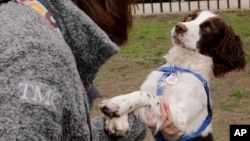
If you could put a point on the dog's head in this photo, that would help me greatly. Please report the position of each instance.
(208, 34)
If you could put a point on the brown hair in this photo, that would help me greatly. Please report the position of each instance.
(113, 16)
(223, 45)
(229, 55)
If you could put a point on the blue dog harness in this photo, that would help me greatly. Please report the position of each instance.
(168, 76)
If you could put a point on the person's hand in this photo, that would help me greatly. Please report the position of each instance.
(166, 119)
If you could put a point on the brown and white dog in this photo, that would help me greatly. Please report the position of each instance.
(204, 45)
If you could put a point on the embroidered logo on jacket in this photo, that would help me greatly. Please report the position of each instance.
(39, 94)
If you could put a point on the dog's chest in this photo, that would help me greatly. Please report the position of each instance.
(151, 84)
(175, 87)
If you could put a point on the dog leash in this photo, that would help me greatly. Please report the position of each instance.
(170, 78)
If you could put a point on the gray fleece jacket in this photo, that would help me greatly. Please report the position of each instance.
(41, 94)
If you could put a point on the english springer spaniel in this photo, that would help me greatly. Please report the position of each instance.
(204, 46)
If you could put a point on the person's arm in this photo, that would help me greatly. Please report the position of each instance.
(40, 95)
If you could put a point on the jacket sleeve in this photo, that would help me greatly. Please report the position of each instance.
(41, 97)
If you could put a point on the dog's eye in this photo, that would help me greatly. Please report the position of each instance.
(207, 29)
(189, 17)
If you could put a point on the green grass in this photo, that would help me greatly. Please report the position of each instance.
(150, 37)
(239, 94)
(234, 101)
(149, 40)
(227, 106)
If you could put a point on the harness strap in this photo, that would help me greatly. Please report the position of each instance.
(173, 69)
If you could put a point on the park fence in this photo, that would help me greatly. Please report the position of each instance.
(164, 6)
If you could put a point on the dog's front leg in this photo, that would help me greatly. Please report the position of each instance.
(141, 103)
(123, 104)
(117, 110)
(117, 126)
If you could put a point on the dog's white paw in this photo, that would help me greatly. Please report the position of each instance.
(109, 108)
(123, 104)
(117, 106)
(118, 126)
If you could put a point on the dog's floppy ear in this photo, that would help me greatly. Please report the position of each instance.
(229, 54)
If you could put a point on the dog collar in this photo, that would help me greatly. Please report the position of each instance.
(42, 10)
(167, 72)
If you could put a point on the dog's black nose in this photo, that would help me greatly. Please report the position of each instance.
(180, 28)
